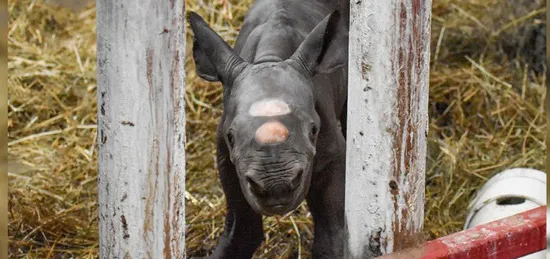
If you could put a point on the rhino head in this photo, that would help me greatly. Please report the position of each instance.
(270, 124)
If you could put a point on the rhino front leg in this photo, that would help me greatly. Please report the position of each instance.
(326, 203)
(243, 230)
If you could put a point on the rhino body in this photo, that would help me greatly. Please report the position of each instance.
(281, 138)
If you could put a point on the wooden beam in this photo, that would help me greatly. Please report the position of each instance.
(387, 125)
(511, 237)
(141, 128)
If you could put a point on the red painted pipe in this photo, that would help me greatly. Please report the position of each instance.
(511, 237)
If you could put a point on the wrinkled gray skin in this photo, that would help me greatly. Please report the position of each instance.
(294, 50)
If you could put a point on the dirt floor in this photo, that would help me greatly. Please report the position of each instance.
(487, 90)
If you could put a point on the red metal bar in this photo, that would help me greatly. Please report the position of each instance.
(511, 237)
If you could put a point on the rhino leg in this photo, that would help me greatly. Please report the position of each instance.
(326, 203)
(243, 230)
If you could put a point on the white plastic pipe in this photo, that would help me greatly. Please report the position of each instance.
(508, 193)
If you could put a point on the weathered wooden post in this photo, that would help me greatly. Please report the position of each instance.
(141, 128)
(387, 125)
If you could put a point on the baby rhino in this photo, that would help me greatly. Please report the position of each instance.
(279, 138)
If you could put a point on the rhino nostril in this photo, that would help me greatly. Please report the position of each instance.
(297, 179)
(255, 187)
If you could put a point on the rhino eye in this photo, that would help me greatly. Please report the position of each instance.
(313, 132)
(230, 139)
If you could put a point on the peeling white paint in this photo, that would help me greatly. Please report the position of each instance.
(141, 128)
(374, 100)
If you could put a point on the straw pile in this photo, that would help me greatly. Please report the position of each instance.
(486, 115)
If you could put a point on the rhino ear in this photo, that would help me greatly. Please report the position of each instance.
(325, 48)
(204, 68)
(214, 58)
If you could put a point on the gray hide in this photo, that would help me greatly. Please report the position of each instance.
(280, 138)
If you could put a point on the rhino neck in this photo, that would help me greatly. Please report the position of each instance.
(275, 40)
(277, 44)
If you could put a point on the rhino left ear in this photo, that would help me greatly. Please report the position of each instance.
(214, 58)
(325, 49)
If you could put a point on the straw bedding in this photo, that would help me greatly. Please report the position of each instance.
(486, 114)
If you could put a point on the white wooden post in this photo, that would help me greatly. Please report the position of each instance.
(387, 125)
(141, 128)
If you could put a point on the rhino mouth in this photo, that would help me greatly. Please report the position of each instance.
(284, 202)
(275, 209)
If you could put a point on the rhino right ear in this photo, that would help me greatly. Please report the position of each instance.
(204, 68)
(214, 58)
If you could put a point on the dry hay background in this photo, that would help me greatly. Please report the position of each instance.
(486, 115)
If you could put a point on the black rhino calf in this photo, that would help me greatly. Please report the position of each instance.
(281, 137)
